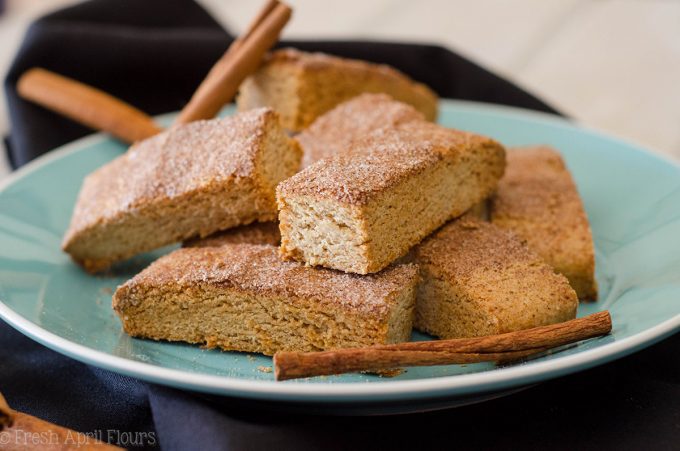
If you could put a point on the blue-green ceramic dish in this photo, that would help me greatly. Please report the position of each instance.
(632, 198)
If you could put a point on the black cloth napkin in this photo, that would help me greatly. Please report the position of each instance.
(153, 54)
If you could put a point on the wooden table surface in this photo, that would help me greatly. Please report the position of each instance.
(611, 64)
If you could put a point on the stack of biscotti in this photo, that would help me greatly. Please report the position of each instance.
(301, 86)
(191, 180)
(245, 297)
(492, 296)
(331, 134)
(229, 289)
(382, 230)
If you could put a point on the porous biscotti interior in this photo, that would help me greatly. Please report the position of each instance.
(212, 205)
(207, 304)
(322, 232)
(477, 280)
(539, 201)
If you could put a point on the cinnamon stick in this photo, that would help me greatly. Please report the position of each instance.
(504, 347)
(218, 67)
(6, 414)
(20, 431)
(241, 59)
(86, 105)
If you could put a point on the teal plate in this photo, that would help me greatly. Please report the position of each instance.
(632, 198)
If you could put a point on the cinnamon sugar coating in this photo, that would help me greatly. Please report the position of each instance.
(334, 132)
(479, 279)
(372, 164)
(259, 269)
(538, 200)
(356, 181)
(465, 246)
(174, 162)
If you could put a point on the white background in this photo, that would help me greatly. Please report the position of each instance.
(611, 64)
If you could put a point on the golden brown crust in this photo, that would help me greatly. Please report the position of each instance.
(538, 199)
(334, 132)
(257, 233)
(258, 269)
(479, 279)
(302, 86)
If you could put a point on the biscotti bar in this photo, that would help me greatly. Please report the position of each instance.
(191, 180)
(538, 200)
(243, 297)
(302, 86)
(333, 133)
(257, 233)
(478, 279)
(359, 211)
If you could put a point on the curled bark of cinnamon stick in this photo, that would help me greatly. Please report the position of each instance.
(86, 105)
(504, 347)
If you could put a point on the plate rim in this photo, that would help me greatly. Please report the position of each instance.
(462, 384)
